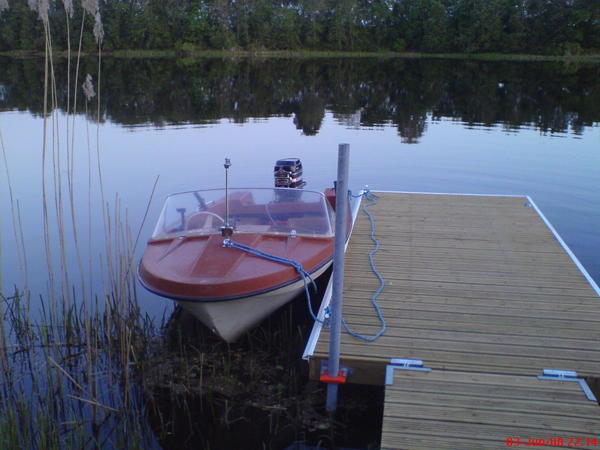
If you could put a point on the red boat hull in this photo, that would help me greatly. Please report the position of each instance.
(199, 268)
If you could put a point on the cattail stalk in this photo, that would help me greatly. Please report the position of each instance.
(47, 241)
(70, 143)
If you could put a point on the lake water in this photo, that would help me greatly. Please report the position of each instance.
(412, 125)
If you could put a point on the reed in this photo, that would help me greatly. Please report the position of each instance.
(59, 383)
(70, 372)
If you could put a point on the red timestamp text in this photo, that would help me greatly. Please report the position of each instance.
(567, 441)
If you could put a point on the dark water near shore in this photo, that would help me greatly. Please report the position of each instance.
(413, 125)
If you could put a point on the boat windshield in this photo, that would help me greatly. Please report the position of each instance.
(264, 211)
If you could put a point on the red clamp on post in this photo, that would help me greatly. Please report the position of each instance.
(340, 379)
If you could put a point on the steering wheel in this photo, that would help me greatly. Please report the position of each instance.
(211, 214)
(208, 213)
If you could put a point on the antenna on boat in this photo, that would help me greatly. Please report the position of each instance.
(226, 229)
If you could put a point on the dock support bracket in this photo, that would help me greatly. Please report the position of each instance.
(341, 377)
(403, 364)
(568, 375)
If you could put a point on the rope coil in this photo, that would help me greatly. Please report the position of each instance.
(368, 195)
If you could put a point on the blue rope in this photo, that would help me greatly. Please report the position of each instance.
(296, 265)
(368, 195)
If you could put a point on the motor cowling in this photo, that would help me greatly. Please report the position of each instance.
(288, 173)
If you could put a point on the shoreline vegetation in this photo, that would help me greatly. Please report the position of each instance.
(531, 27)
(112, 378)
(240, 53)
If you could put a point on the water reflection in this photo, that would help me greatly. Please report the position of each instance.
(552, 97)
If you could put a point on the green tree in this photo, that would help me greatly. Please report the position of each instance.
(512, 18)
(425, 25)
(477, 25)
(342, 28)
(378, 22)
(312, 13)
(20, 28)
(286, 27)
(261, 22)
(219, 18)
(240, 11)
(588, 23)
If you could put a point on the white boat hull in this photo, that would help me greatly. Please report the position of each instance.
(229, 319)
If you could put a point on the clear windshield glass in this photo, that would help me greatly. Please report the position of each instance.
(265, 211)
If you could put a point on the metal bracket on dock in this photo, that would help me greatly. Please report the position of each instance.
(403, 364)
(568, 375)
(341, 377)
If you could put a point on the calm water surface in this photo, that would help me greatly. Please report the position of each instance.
(412, 125)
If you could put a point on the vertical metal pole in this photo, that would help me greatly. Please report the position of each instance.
(341, 213)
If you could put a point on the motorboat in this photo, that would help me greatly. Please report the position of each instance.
(198, 253)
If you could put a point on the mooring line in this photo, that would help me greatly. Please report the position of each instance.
(229, 243)
(367, 194)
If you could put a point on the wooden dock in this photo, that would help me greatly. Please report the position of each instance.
(486, 294)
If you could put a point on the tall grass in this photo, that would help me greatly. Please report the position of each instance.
(70, 377)
(70, 360)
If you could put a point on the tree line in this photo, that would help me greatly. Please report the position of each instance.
(552, 97)
(462, 26)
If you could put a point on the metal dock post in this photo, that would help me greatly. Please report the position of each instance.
(341, 212)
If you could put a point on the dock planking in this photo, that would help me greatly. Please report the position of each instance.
(476, 286)
(444, 409)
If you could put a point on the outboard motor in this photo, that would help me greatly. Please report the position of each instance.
(288, 173)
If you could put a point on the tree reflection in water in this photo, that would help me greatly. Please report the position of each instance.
(553, 97)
